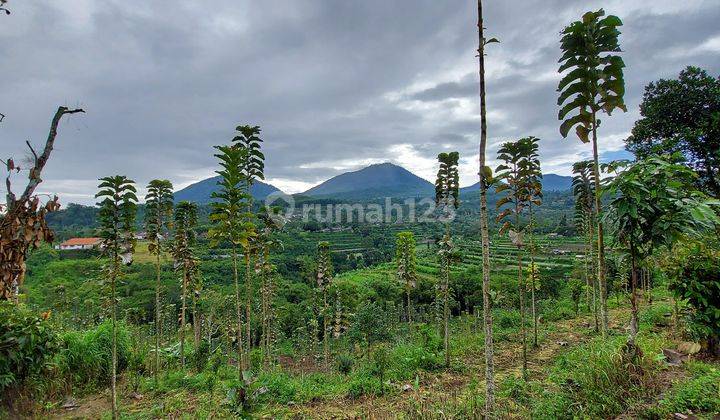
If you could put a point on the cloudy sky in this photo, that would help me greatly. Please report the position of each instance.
(334, 84)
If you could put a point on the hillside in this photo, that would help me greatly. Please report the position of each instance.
(200, 192)
(380, 180)
(550, 182)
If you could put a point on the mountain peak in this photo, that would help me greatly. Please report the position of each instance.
(200, 192)
(376, 180)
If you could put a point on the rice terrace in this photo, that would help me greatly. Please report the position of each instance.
(315, 209)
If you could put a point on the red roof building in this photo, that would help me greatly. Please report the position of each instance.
(80, 243)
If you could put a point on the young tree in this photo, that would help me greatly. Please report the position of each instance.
(583, 185)
(263, 243)
(447, 187)
(22, 220)
(595, 84)
(185, 261)
(682, 115)
(653, 205)
(514, 180)
(324, 277)
(252, 168)
(406, 263)
(534, 197)
(116, 220)
(485, 175)
(158, 218)
(230, 223)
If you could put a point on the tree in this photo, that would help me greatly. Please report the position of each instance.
(514, 179)
(252, 167)
(406, 267)
(682, 115)
(116, 220)
(533, 176)
(485, 180)
(583, 185)
(264, 242)
(324, 279)
(230, 223)
(159, 205)
(22, 220)
(594, 84)
(447, 187)
(653, 205)
(185, 261)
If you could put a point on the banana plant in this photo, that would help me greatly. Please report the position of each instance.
(116, 220)
(158, 218)
(594, 84)
(232, 224)
(185, 260)
(447, 188)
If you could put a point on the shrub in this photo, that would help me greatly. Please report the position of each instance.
(27, 343)
(698, 394)
(200, 355)
(364, 384)
(344, 364)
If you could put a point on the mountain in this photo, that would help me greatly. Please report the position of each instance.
(374, 181)
(200, 191)
(550, 182)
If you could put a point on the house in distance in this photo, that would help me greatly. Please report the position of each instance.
(79, 243)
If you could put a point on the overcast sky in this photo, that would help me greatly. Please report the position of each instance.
(334, 84)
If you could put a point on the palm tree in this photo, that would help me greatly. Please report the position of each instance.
(595, 84)
(185, 260)
(116, 218)
(159, 205)
(324, 279)
(252, 168)
(514, 181)
(406, 267)
(230, 222)
(446, 198)
(584, 191)
(485, 175)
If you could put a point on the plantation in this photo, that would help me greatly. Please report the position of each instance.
(377, 293)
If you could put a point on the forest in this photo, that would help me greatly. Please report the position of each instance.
(507, 299)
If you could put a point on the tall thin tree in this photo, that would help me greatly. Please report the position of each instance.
(230, 224)
(534, 176)
(594, 84)
(158, 218)
(406, 267)
(513, 181)
(324, 277)
(583, 185)
(185, 260)
(252, 168)
(447, 187)
(116, 220)
(485, 180)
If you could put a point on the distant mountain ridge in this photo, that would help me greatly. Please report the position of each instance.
(379, 180)
(200, 192)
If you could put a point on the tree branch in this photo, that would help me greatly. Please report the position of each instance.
(40, 161)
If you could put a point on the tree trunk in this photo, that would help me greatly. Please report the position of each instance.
(157, 315)
(600, 239)
(523, 333)
(446, 313)
(248, 304)
(326, 344)
(484, 231)
(182, 317)
(113, 384)
(633, 298)
(238, 309)
(532, 286)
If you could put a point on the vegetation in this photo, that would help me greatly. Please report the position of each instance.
(403, 310)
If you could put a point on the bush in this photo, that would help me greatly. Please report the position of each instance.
(506, 318)
(344, 364)
(364, 384)
(27, 343)
(200, 356)
(697, 395)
